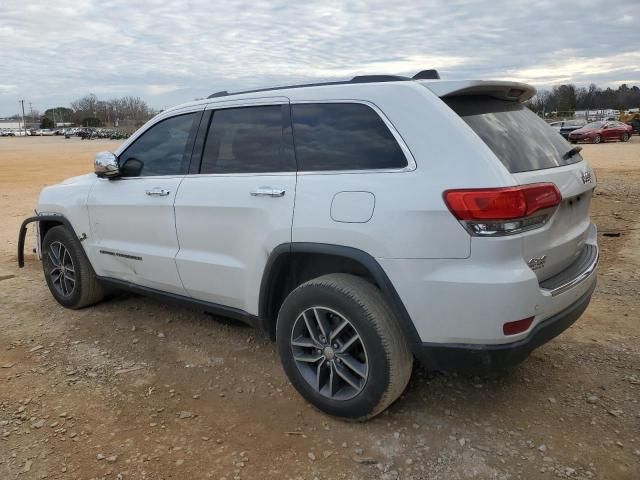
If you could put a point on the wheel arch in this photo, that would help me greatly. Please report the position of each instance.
(45, 223)
(291, 264)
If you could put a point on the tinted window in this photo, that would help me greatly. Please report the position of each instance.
(519, 138)
(343, 136)
(246, 140)
(161, 150)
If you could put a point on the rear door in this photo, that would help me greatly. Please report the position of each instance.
(620, 128)
(534, 153)
(239, 206)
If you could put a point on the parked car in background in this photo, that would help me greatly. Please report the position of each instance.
(565, 127)
(45, 132)
(602, 131)
(19, 132)
(557, 125)
(635, 125)
(570, 126)
(87, 133)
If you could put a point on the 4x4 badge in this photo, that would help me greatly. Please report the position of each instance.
(537, 263)
(586, 176)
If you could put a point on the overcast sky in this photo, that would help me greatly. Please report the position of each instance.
(55, 51)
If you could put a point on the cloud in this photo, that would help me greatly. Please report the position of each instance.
(159, 89)
(171, 52)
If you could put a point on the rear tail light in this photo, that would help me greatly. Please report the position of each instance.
(503, 211)
(519, 326)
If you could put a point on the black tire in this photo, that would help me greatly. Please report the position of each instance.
(573, 141)
(388, 357)
(625, 137)
(84, 290)
(597, 139)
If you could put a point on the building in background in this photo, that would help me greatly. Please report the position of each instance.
(10, 123)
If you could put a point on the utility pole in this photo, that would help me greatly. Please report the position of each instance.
(24, 125)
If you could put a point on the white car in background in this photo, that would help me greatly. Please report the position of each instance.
(45, 132)
(19, 132)
(360, 224)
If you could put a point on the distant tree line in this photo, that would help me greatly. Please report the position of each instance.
(569, 98)
(89, 111)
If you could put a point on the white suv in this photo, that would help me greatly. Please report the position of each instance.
(360, 224)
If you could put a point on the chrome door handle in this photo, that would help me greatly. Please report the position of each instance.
(267, 192)
(158, 192)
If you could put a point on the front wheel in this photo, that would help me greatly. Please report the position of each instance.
(67, 270)
(597, 139)
(342, 347)
(625, 137)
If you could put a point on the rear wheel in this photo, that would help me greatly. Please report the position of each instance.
(597, 139)
(342, 347)
(67, 270)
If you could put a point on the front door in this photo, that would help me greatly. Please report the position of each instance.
(231, 215)
(132, 217)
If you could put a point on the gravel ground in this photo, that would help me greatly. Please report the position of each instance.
(137, 389)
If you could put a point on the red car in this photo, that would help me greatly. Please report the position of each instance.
(596, 132)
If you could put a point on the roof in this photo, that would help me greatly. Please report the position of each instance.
(506, 90)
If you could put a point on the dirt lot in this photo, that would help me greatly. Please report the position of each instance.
(134, 388)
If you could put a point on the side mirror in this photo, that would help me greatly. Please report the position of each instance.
(106, 165)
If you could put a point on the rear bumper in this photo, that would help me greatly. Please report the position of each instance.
(438, 356)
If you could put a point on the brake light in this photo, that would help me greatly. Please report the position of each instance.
(519, 326)
(503, 211)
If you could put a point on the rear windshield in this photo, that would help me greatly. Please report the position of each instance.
(520, 139)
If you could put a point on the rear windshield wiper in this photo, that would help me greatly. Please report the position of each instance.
(572, 152)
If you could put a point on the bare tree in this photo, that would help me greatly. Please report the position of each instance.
(126, 111)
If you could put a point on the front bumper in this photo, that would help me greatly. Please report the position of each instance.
(473, 357)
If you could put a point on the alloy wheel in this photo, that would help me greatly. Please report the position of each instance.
(63, 274)
(329, 353)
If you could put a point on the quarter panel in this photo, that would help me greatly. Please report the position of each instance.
(410, 219)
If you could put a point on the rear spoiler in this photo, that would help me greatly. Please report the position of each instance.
(514, 91)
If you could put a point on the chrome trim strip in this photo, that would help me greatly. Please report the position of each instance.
(576, 280)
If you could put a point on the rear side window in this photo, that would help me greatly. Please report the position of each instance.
(246, 140)
(343, 136)
(519, 138)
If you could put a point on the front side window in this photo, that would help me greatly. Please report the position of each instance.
(161, 150)
(246, 140)
(343, 136)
